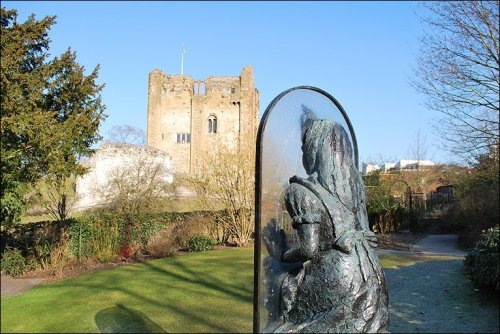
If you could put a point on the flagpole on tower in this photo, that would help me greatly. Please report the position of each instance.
(182, 59)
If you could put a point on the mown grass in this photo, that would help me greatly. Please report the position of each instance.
(40, 217)
(199, 292)
(168, 205)
(394, 261)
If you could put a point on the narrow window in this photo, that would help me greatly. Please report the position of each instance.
(162, 136)
(201, 90)
(233, 90)
(212, 124)
(183, 138)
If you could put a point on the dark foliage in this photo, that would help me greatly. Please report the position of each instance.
(481, 263)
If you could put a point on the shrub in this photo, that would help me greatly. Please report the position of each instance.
(41, 256)
(102, 236)
(11, 209)
(34, 240)
(13, 262)
(200, 243)
(60, 257)
(96, 237)
(126, 251)
(482, 262)
(177, 235)
(384, 220)
(104, 240)
(476, 207)
(164, 243)
(80, 235)
(146, 226)
(189, 227)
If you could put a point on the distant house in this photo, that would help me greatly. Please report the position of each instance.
(443, 196)
(446, 191)
(369, 167)
(387, 167)
(408, 165)
(400, 166)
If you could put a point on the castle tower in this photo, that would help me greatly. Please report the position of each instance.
(186, 117)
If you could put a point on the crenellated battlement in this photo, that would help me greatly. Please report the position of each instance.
(187, 117)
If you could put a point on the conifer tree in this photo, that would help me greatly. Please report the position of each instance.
(50, 110)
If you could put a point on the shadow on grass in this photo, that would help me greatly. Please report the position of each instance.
(121, 319)
(203, 284)
(207, 280)
(436, 297)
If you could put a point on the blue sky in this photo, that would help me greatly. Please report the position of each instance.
(360, 52)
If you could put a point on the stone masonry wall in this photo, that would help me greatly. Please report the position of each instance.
(111, 158)
(179, 106)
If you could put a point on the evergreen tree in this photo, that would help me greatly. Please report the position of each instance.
(50, 111)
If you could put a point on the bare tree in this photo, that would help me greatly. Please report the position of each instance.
(458, 71)
(137, 186)
(418, 149)
(127, 134)
(225, 186)
(56, 195)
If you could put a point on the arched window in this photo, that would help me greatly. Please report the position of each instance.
(212, 124)
(201, 90)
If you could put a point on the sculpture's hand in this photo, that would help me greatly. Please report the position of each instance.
(370, 238)
(308, 246)
(274, 239)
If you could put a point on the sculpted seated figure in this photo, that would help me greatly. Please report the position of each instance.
(331, 280)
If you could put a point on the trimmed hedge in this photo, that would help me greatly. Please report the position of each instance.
(99, 236)
(31, 238)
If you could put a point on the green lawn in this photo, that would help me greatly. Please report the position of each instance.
(212, 292)
(198, 292)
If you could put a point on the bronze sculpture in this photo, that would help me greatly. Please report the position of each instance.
(332, 280)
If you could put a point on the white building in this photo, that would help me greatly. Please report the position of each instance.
(369, 167)
(111, 159)
(401, 165)
(413, 164)
(386, 167)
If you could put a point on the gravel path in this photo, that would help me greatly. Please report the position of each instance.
(434, 296)
(13, 286)
(438, 244)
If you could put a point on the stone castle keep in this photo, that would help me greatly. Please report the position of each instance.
(188, 118)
